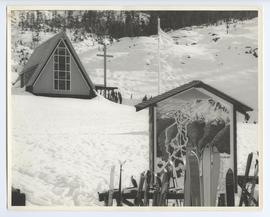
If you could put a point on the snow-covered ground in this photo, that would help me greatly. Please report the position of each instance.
(63, 149)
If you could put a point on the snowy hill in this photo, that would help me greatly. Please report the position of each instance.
(204, 53)
(222, 57)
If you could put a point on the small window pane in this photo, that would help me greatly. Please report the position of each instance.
(68, 85)
(68, 75)
(56, 66)
(61, 59)
(56, 75)
(56, 84)
(68, 68)
(56, 58)
(67, 53)
(61, 44)
(61, 63)
(62, 67)
(62, 51)
(61, 84)
(62, 75)
(68, 59)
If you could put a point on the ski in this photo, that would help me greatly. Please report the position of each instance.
(192, 189)
(215, 170)
(230, 188)
(146, 188)
(187, 199)
(164, 188)
(138, 201)
(206, 170)
(119, 201)
(243, 198)
(174, 179)
(111, 190)
(156, 193)
(195, 191)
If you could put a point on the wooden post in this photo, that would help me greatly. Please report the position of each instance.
(105, 73)
(235, 148)
(151, 144)
(105, 63)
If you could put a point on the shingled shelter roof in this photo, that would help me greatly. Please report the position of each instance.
(194, 84)
(41, 55)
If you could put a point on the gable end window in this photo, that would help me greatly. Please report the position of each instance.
(61, 67)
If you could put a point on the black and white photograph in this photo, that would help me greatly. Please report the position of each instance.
(137, 107)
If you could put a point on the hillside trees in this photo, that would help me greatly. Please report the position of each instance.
(117, 24)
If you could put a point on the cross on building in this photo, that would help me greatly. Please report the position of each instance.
(105, 63)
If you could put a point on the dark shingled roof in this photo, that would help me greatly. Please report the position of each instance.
(193, 84)
(41, 55)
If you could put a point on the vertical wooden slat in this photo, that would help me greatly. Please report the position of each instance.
(235, 148)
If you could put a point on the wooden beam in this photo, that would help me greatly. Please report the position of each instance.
(131, 193)
(248, 179)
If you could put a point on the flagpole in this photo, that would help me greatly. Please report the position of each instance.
(158, 55)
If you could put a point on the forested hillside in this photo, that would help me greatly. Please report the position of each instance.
(118, 24)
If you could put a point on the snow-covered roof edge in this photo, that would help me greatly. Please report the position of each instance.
(199, 84)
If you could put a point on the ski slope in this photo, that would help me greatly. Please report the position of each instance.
(204, 53)
(208, 53)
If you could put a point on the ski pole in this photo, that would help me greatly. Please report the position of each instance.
(120, 184)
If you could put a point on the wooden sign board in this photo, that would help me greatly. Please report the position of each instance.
(194, 117)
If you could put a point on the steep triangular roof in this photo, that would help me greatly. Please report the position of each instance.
(41, 55)
(238, 105)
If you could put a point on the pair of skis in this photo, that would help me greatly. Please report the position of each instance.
(201, 177)
(247, 197)
(111, 186)
(160, 190)
(143, 199)
(210, 175)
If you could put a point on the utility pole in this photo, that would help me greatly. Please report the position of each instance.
(105, 62)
